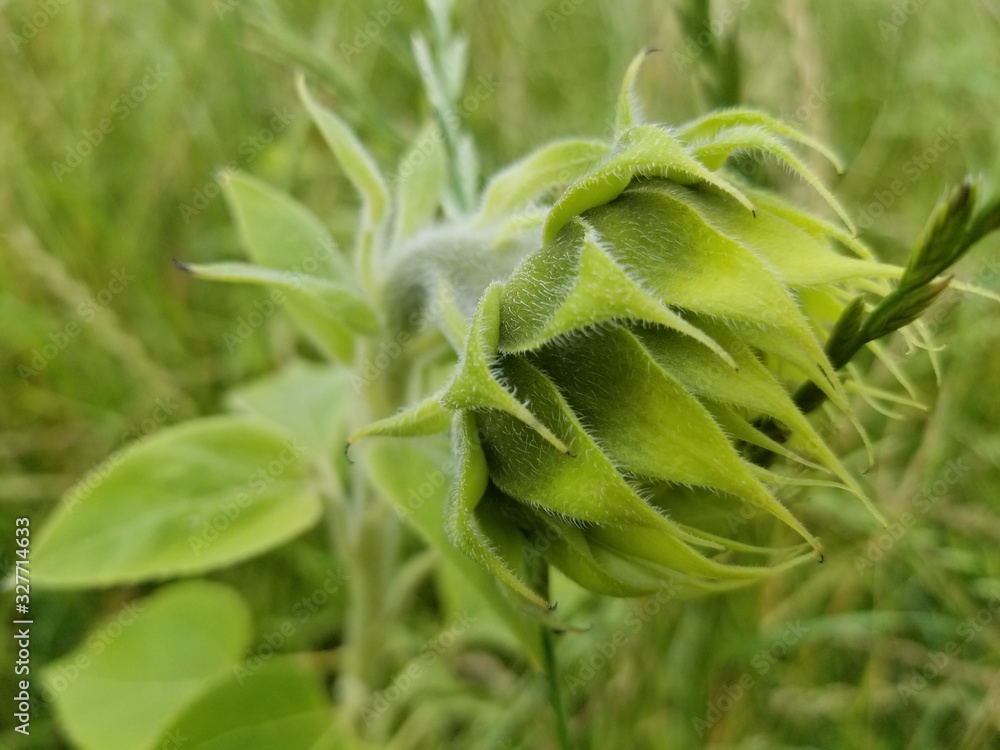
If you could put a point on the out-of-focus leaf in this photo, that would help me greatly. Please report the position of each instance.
(138, 670)
(343, 304)
(188, 499)
(280, 705)
(308, 401)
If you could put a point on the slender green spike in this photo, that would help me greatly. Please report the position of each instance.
(361, 170)
(427, 417)
(628, 112)
(647, 545)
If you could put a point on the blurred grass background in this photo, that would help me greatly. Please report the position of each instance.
(907, 93)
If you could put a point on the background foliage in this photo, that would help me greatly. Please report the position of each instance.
(893, 642)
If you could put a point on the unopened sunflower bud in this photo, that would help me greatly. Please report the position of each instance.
(639, 341)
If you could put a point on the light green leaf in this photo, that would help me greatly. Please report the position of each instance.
(188, 499)
(628, 111)
(707, 127)
(309, 401)
(421, 177)
(342, 304)
(125, 684)
(687, 263)
(354, 158)
(279, 706)
(280, 233)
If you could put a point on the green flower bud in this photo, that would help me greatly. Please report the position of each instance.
(627, 350)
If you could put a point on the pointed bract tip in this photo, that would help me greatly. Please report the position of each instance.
(181, 265)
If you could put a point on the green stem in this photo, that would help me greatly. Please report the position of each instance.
(367, 544)
(551, 668)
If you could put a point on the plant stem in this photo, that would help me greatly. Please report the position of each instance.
(551, 668)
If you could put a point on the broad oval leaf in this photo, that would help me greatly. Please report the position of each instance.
(276, 705)
(128, 681)
(191, 498)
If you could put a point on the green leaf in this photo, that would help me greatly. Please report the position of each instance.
(339, 301)
(355, 160)
(709, 126)
(279, 706)
(282, 234)
(309, 401)
(125, 684)
(687, 263)
(417, 477)
(188, 499)
(550, 167)
(420, 180)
